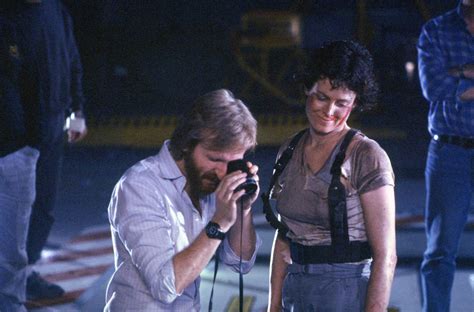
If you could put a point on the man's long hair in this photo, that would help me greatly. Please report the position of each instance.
(217, 120)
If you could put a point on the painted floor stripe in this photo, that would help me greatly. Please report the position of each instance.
(88, 245)
(409, 220)
(78, 273)
(68, 297)
(95, 229)
(74, 288)
(80, 283)
(49, 268)
(73, 255)
(91, 236)
(235, 304)
(77, 265)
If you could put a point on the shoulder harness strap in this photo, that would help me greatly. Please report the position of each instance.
(277, 170)
(337, 201)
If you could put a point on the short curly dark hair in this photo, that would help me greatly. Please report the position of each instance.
(346, 64)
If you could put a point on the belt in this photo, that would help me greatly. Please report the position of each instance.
(339, 270)
(355, 251)
(455, 140)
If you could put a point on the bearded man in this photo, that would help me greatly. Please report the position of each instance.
(170, 212)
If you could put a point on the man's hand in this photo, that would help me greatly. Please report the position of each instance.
(226, 207)
(75, 136)
(249, 200)
(76, 127)
(226, 197)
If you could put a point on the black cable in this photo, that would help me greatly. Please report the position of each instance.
(216, 265)
(241, 278)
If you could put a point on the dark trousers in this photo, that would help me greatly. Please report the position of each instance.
(339, 287)
(47, 183)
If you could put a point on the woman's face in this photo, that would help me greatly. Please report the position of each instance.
(327, 108)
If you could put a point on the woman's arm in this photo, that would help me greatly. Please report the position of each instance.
(278, 263)
(379, 213)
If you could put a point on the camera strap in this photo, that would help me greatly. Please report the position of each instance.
(241, 277)
(216, 265)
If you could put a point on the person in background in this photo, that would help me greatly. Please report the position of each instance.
(17, 171)
(170, 212)
(50, 86)
(338, 253)
(446, 69)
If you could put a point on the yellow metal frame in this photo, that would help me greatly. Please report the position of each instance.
(150, 132)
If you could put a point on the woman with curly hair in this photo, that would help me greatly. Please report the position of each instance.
(334, 249)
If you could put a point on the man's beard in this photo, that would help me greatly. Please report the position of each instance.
(199, 183)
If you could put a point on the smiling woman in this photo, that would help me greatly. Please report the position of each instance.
(328, 108)
(335, 197)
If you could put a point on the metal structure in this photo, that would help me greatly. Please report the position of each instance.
(268, 49)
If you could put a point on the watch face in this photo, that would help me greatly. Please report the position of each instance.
(213, 231)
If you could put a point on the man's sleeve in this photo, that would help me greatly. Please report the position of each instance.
(228, 256)
(138, 214)
(436, 84)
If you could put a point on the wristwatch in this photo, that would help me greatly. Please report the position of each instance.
(213, 230)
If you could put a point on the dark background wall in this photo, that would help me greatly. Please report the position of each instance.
(154, 57)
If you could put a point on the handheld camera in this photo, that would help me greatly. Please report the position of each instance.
(250, 185)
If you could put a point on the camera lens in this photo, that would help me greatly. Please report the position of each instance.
(250, 186)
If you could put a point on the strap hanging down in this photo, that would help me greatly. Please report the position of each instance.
(337, 202)
(277, 170)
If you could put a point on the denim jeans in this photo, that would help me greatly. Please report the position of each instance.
(449, 178)
(338, 287)
(17, 192)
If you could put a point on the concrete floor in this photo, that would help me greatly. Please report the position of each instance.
(89, 175)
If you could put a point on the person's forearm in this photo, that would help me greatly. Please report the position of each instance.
(379, 214)
(190, 262)
(278, 266)
(436, 83)
(380, 283)
(249, 237)
(468, 95)
(468, 71)
(464, 71)
(276, 285)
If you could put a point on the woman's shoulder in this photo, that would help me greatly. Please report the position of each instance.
(295, 138)
(367, 153)
(367, 146)
(371, 166)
